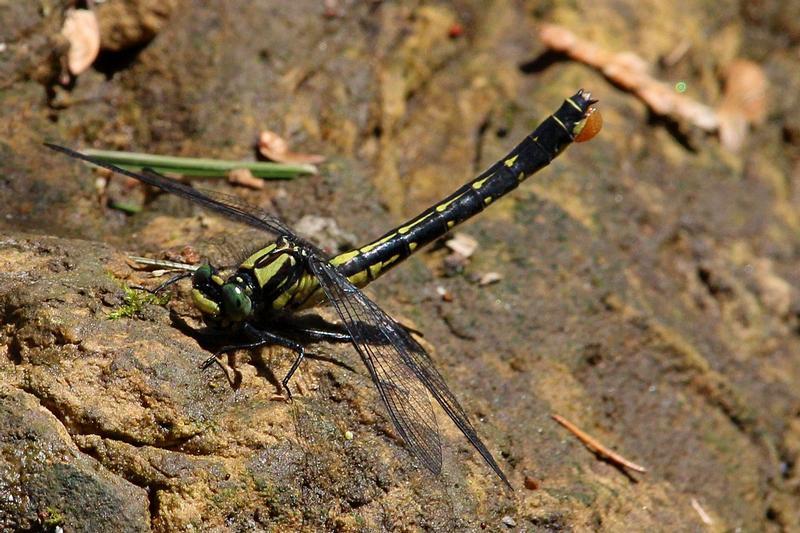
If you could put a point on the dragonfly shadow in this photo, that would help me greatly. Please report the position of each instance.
(307, 328)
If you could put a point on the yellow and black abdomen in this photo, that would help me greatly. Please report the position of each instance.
(280, 270)
(364, 264)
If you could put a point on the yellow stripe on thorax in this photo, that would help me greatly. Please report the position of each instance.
(266, 273)
(300, 294)
(250, 262)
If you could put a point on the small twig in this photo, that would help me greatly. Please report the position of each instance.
(704, 517)
(629, 71)
(595, 446)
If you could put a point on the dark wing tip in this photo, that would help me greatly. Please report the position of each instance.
(59, 148)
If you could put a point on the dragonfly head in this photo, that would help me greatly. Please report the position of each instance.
(220, 301)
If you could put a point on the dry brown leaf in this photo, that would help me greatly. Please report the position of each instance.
(746, 88)
(489, 278)
(190, 255)
(462, 244)
(743, 103)
(83, 33)
(245, 178)
(274, 147)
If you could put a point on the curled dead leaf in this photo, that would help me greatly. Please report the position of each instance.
(462, 244)
(746, 88)
(274, 147)
(190, 255)
(489, 278)
(744, 102)
(83, 33)
(245, 178)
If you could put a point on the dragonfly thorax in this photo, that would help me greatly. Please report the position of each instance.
(280, 276)
(269, 280)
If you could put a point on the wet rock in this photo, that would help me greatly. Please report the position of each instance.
(48, 482)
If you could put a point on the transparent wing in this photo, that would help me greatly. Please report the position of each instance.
(401, 369)
(228, 206)
(266, 221)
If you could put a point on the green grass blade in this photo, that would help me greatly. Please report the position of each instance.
(193, 166)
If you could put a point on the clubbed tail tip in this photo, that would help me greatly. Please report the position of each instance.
(593, 121)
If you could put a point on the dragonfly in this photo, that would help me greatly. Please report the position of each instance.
(291, 274)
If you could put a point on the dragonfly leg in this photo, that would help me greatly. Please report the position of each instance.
(232, 348)
(333, 333)
(317, 334)
(170, 281)
(285, 381)
(262, 338)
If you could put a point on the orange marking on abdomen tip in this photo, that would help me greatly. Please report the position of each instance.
(594, 123)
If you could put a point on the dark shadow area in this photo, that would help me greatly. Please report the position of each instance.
(109, 63)
(674, 129)
(542, 62)
(303, 329)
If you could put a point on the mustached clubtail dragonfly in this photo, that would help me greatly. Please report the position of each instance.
(291, 274)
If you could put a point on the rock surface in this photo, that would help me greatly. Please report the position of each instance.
(648, 291)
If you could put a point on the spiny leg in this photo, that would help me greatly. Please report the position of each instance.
(308, 328)
(262, 338)
(316, 334)
(172, 281)
(164, 285)
(320, 334)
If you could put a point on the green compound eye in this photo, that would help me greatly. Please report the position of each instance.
(235, 302)
(202, 274)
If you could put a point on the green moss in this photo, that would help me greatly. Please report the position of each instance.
(54, 517)
(133, 302)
